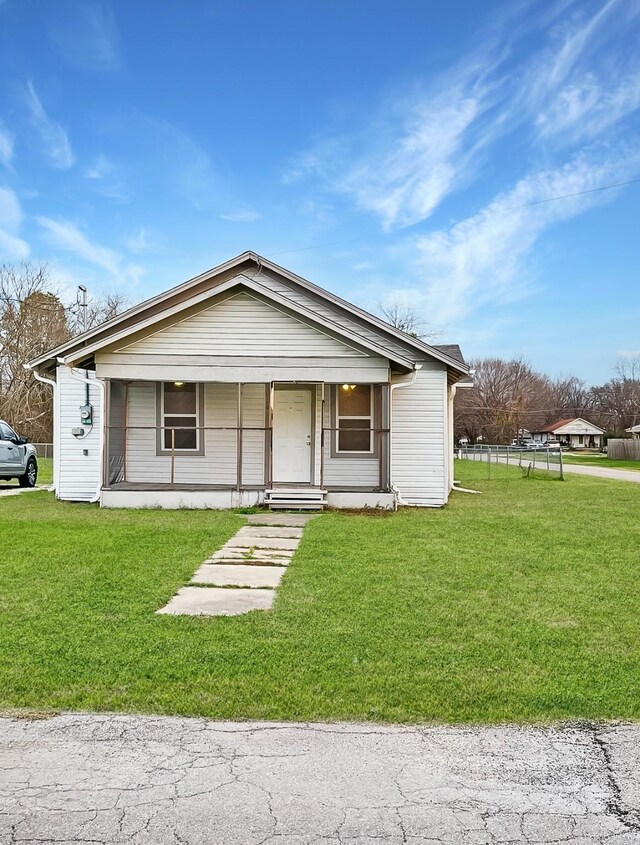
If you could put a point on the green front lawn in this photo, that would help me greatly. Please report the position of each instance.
(521, 604)
(45, 471)
(598, 461)
(45, 474)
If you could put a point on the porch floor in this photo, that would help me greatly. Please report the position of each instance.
(154, 487)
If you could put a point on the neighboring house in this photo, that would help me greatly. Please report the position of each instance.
(575, 433)
(249, 384)
(634, 431)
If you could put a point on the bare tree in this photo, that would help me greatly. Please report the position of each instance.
(507, 396)
(405, 318)
(99, 309)
(32, 320)
(570, 397)
(618, 400)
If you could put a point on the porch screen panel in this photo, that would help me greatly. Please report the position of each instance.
(354, 415)
(180, 414)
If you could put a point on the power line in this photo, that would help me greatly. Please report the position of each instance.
(516, 412)
(576, 194)
(39, 305)
(315, 246)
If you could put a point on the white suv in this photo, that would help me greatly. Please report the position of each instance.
(17, 457)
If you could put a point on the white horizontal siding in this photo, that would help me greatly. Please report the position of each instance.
(176, 367)
(218, 465)
(242, 325)
(334, 313)
(79, 474)
(254, 404)
(419, 438)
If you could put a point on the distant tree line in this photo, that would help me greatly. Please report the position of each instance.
(509, 395)
(33, 319)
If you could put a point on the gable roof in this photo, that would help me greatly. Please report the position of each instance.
(233, 273)
(450, 349)
(558, 424)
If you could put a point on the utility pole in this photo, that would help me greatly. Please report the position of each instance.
(83, 304)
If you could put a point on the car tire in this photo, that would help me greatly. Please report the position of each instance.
(31, 474)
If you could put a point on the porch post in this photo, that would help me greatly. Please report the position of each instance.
(125, 432)
(239, 441)
(106, 422)
(384, 442)
(322, 438)
(269, 436)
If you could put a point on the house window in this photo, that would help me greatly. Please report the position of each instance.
(354, 415)
(180, 407)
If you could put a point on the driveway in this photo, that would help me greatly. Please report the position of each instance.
(604, 472)
(15, 489)
(579, 469)
(132, 779)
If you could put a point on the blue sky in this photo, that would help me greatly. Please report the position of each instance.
(384, 150)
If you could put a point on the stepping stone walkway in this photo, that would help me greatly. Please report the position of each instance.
(243, 575)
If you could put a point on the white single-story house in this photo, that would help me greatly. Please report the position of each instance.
(248, 384)
(634, 431)
(576, 433)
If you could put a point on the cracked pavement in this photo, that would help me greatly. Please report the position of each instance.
(136, 779)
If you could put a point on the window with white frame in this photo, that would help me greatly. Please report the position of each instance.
(354, 418)
(179, 410)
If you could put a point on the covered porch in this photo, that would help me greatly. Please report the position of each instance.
(221, 444)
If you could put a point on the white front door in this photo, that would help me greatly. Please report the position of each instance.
(292, 448)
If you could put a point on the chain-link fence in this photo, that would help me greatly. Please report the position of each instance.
(44, 450)
(529, 460)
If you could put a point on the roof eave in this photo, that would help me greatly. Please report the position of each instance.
(80, 340)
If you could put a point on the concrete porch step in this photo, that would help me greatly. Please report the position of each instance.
(295, 498)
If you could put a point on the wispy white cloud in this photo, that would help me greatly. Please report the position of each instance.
(551, 78)
(246, 216)
(408, 181)
(6, 147)
(88, 37)
(100, 169)
(107, 179)
(67, 237)
(186, 164)
(12, 246)
(139, 242)
(52, 137)
(482, 258)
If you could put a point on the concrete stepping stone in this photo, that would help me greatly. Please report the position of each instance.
(269, 531)
(262, 543)
(237, 575)
(245, 571)
(258, 559)
(284, 520)
(217, 601)
(247, 552)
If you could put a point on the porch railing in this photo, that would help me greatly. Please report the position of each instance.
(118, 450)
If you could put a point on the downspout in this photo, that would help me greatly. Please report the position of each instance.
(103, 399)
(392, 387)
(56, 456)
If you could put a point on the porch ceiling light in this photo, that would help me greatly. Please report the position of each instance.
(348, 387)
(178, 384)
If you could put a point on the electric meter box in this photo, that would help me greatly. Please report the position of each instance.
(86, 414)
